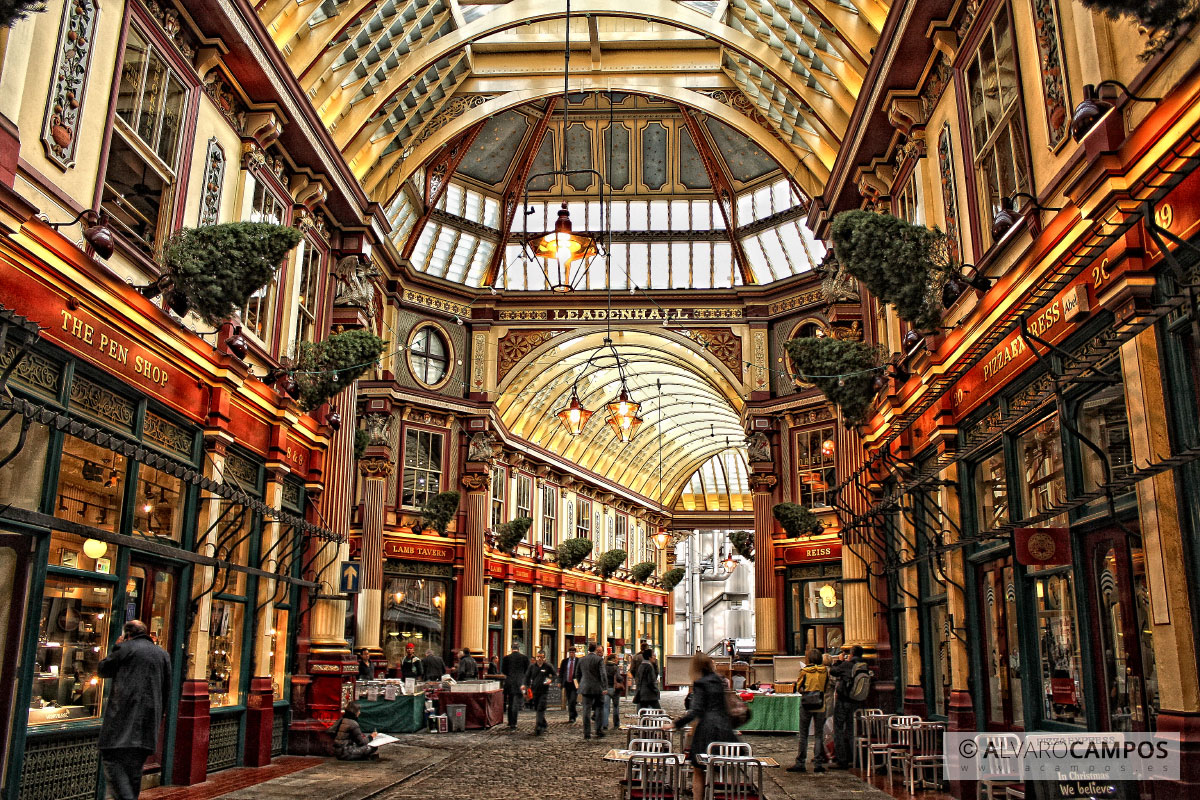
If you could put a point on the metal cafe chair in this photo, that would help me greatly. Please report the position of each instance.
(654, 776)
(877, 742)
(1001, 772)
(924, 756)
(862, 734)
(648, 728)
(899, 737)
(641, 746)
(729, 749)
(733, 778)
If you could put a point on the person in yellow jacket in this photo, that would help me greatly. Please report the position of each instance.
(811, 686)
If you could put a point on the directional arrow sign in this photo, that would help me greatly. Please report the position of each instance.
(351, 570)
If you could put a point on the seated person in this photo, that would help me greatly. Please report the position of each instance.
(349, 742)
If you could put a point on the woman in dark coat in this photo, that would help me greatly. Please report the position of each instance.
(646, 677)
(708, 709)
(349, 742)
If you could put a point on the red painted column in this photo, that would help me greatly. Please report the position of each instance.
(191, 734)
(260, 718)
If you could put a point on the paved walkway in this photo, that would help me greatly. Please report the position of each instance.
(501, 765)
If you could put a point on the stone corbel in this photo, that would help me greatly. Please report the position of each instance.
(904, 112)
(264, 127)
(207, 59)
(308, 191)
(476, 481)
(945, 41)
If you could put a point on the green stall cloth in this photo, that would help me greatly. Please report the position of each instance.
(405, 714)
(774, 712)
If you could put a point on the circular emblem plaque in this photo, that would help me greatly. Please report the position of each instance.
(1041, 546)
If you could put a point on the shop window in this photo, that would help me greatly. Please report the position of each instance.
(499, 491)
(619, 540)
(823, 599)
(72, 638)
(815, 464)
(414, 612)
(1059, 648)
(21, 479)
(991, 492)
(520, 623)
(1002, 651)
(148, 596)
(264, 206)
(907, 202)
(1102, 420)
(429, 356)
(524, 496)
(422, 467)
(1043, 485)
(158, 510)
(547, 612)
(308, 284)
(496, 607)
(996, 119)
(583, 522)
(277, 657)
(225, 634)
(139, 179)
(939, 668)
(549, 515)
(91, 486)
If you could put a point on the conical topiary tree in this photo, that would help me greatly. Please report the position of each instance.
(900, 263)
(797, 520)
(610, 561)
(743, 544)
(512, 533)
(216, 268)
(572, 552)
(325, 368)
(641, 571)
(843, 370)
(671, 578)
(439, 511)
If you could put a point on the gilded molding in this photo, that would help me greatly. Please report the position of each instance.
(436, 303)
(762, 482)
(515, 345)
(375, 467)
(477, 481)
(60, 129)
(723, 343)
(479, 361)
(1053, 72)
(949, 193)
(796, 301)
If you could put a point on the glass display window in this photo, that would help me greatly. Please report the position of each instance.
(158, 508)
(72, 638)
(1102, 419)
(991, 492)
(21, 479)
(91, 485)
(823, 599)
(72, 551)
(149, 596)
(414, 612)
(1042, 480)
(225, 639)
(1059, 648)
(520, 623)
(277, 663)
(1003, 704)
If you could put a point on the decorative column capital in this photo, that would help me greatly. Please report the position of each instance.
(375, 467)
(763, 482)
(476, 481)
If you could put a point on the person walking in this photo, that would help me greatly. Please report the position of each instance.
(568, 678)
(467, 669)
(709, 711)
(811, 687)
(616, 688)
(433, 666)
(647, 694)
(411, 666)
(844, 672)
(592, 684)
(349, 742)
(140, 672)
(515, 666)
(539, 678)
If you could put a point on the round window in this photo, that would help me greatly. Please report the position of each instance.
(429, 356)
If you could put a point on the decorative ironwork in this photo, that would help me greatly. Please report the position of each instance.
(393, 566)
(36, 372)
(949, 193)
(60, 769)
(279, 724)
(214, 179)
(293, 494)
(168, 435)
(102, 403)
(60, 130)
(242, 470)
(223, 743)
(458, 105)
(1053, 71)
(515, 345)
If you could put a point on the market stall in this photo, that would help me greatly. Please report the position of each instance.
(405, 714)
(773, 713)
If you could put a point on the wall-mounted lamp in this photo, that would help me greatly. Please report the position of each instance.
(959, 282)
(95, 231)
(1007, 216)
(1093, 108)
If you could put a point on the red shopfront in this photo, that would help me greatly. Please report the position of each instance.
(813, 615)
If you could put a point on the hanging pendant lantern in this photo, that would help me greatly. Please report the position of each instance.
(574, 417)
(730, 564)
(661, 539)
(624, 419)
(559, 249)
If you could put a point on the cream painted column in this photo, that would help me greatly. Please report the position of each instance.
(374, 472)
(202, 577)
(960, 709)
(563, 633)
(602, 625)
(265, 620)
(474, 593)
(766, 613)
(506, 638)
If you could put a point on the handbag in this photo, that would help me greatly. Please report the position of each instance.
(736, 708)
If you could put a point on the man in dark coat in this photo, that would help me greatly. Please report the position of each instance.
(568, 675)
(433, 665)
(140, 672)
(592, 683)
(515, 666)
(541, 674)
(411, 666)
(647, 681)
(467, 669)
(843, 672)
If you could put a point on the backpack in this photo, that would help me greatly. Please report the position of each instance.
(860, 683)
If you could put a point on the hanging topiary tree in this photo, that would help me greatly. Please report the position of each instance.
(610, 561)
(843, 370)
(325, 368)
(512, 533)
(671, 578)
(743, 544)
(572, 552)
(13, 11)
(797, 520)
(642, 570)
(1164, 20)
(439, 511)
(216, 268)
(900, 263)
(362, 440)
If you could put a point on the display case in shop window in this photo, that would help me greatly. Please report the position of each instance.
(72, 638)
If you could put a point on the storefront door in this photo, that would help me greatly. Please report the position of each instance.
(1002, 699)
(14, 565)
(150, 597)
(1120, 616)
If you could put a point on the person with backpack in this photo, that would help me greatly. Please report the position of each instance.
(853, 677)
(814, 679)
